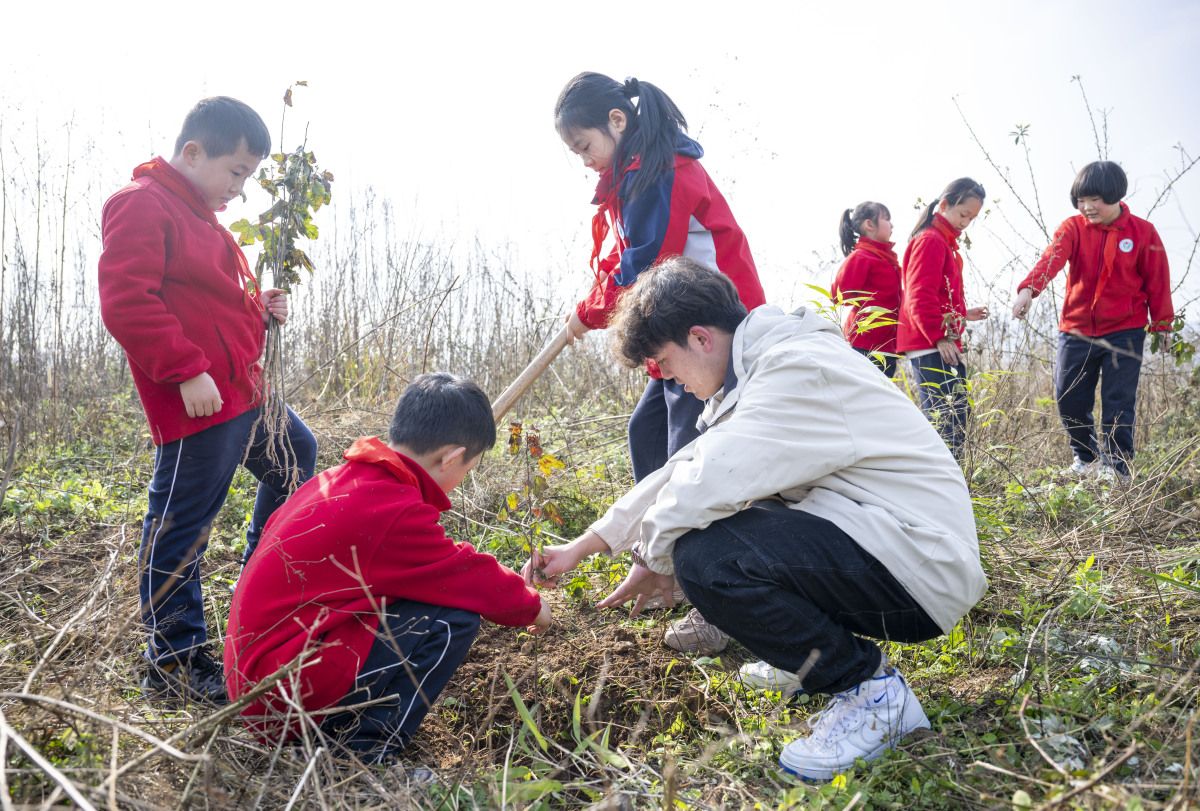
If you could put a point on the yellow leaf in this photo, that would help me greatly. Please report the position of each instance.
(512, 501)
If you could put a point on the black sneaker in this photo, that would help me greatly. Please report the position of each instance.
(197, 678)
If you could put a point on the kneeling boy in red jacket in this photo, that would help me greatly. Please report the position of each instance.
(356, 587)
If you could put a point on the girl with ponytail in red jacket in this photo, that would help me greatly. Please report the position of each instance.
(658, 201)
(934, 313)
(869, 283)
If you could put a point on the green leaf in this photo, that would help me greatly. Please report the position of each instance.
(523, 711)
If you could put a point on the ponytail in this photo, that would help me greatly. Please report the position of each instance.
(652, 129)
(957, 192)
(851, 225)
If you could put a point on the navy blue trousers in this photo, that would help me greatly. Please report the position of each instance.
(884, 361)
(662, 423)
(417, 649)
(788, 585)
(1081, 363)
(191, 479)
(942, 392)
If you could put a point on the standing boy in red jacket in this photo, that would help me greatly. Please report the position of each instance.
(1118, 283)
(357, 587)
(177, 294)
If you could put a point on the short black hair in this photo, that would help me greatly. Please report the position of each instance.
(220, 123)
(1103, 179)
(440, 409)
(667, 301)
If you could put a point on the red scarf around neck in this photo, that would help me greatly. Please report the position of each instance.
(881, 249)
(1109, 257)
(166, 174)
(951, 235)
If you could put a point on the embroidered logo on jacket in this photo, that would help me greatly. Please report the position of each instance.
(1126, 245)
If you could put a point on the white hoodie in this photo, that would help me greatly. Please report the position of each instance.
(813, 421)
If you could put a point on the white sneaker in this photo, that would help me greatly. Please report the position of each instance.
(863, 722)
(695, 634)
(762, 676)
(1082, 468)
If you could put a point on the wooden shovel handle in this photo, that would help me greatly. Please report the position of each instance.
(524, 380)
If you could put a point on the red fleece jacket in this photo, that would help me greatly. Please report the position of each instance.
(871, 277)
(349, 541)
(172, 293)
(934, 306)
(1118, 277)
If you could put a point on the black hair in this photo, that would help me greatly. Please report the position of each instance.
(667, 301)
(440, 409)
(1103, 179)
(652, 125)
(220, 123)
(958, 191)
(850, 228)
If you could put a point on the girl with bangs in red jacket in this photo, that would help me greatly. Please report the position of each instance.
(659, 202)
(934, 313)
(869, 283)
(1117, 284)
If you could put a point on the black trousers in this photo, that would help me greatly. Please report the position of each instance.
(1081, 363)
(793, 587)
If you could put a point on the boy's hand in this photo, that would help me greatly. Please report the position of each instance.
(949, 352)
(977, 313)
(200, 396)
(1022, 303)
(543, 568)
(275, 302)
(542, 622)
(642, 584)
(578, 328)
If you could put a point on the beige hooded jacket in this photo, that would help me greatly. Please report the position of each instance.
(805, 417)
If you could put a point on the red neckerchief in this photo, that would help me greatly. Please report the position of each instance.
(606, 200)
(951, 234)
(881, 249)
(166, 174)
(1109, 257)
(370, 449)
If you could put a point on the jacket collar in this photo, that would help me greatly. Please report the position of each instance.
(370, 450)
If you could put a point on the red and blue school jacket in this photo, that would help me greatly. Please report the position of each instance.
(870, 277)
(1118, 277)
(683, 214)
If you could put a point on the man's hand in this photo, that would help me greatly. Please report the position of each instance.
(275, 303)
(1022, 303)
(641, 584)
(578, 328)
(543, 568)
(949, 352)
(200, 396)
(543, 621)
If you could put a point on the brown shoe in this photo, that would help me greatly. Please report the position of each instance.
(694, 634)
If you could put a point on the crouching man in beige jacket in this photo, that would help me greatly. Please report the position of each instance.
(817, 510)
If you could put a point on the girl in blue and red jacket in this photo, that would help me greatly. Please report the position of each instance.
(658, 200)
(869, 282)
(1118, 283)
(934, 313)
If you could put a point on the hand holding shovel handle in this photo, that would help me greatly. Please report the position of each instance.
(524, 380)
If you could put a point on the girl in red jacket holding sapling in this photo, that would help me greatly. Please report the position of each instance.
(934, 314)
(660, 202)
(1118, 283)
(869, 282)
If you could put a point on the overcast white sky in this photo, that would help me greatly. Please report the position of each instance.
(803, 108)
